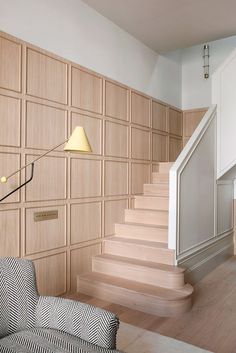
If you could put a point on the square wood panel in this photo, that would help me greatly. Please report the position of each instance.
(175, 147)
(81, 262)
(10, 117)
(140, 174)
(116, 140)
(10, 233)
(86, 178)
(140, 144)
(159, 147)
(175, 122)
(9, 163)
(159, 116)
(49, 182)
(116, 178)
(191, 121)
(51, 274)
(114, 212)
(47, 234)
(140, 109)
(116, 101)
(46, 77)
(86, 90)
(10, 65)
(50, 124)
(93, 129)
(81, 228)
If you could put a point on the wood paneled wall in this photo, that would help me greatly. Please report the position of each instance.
(42, 98)
(191, 119)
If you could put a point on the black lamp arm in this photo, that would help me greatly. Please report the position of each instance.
(19, 187)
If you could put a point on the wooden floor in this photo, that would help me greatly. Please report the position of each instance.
(211, 324)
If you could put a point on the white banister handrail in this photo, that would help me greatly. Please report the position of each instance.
(175, 175)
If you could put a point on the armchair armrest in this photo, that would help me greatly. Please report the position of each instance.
(87, 322)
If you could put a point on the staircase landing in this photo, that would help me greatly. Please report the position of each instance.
(136, 268)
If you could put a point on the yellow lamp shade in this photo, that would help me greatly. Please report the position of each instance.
(78, 141)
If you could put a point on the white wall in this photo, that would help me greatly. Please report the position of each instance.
(76, 32)
(196, 91)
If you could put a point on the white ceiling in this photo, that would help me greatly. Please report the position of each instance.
(166, 25)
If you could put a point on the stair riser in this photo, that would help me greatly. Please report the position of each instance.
(152, 203)
(155, 189)
(147, 217)
(136, 232)
(160, 178)
(134, 300)
(140, 252)
(140, 273)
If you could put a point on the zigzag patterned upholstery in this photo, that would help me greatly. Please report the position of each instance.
(30, 323)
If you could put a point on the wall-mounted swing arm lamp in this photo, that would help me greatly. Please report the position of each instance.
(77, 142)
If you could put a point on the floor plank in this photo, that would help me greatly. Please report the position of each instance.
(210, 324)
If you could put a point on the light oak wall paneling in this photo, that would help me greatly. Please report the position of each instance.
(51, 274)
(160, 116)
(10, 233)
(86, 222)
(49, 182)
(175, 122)
(175, 147)
(81, 261)
(10, 118)
(114, 213)
(140, 144)
(10, 162)
(191, 119)
(140, 109)
(46, 126)
(93, 129)
(10, 64)
(116, 101)
(86, 90)
(159, 147)
(86, 178)
(116, 140)
(47, 234)
(46, 77)
(116, 178)
(140, 174)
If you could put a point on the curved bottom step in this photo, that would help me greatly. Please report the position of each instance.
(138, 296)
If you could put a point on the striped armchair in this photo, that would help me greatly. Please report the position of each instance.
(30, 323)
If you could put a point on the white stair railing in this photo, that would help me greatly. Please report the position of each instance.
(193, 191)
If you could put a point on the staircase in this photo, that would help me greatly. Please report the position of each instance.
(136, 268)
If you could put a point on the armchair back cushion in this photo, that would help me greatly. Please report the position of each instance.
(91, 324)
(18, 295)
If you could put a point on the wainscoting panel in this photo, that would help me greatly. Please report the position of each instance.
(86, 90)
(45, 234)
(159, 116)
(45, 119)
(191, 119)
(46, 77)
(116, 101)
(10, 116)
(10, 68)
(10, 233)
(140, 109)
(175, 147)
(43, 97)
(81, 229)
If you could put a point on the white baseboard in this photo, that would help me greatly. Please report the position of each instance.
(200, 264)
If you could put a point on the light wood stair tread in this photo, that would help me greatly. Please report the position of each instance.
(136, 262)
(144, 225)
(161, 293)
(147, 243)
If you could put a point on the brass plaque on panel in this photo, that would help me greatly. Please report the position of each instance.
(45, 215)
